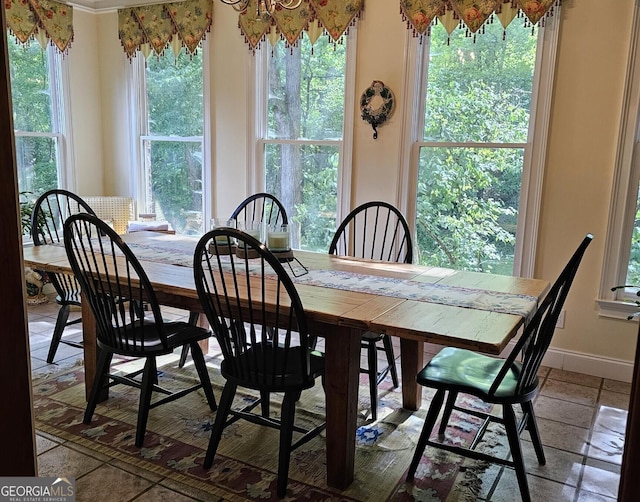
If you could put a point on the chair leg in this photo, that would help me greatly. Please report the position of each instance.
(372, 369)
(149, 376)
(511, 427)
(193, 320)
(264, 403)
(61, 322)
(102, 367)
(286, 435)
(532, 427)
(203, 373)
(391, 359)
(429, 423)
(226, 400)
(448, 408)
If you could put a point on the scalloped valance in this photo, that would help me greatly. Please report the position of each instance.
(151, 29)
(314, 17)
(46, 21)
(420, 15)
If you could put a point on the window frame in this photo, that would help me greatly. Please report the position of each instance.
(624, 191)
(62, 130)
(535, 147)
(257, 133)
(138, 113)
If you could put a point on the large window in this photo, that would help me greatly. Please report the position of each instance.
(170, 139)
(38, 116)
(301, 134)
(477, 100)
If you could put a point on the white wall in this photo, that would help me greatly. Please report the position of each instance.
(585, 118)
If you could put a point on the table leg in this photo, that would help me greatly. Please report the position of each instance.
(411, 361)
(90, 350)
(342, 370)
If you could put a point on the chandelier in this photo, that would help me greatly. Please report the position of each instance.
(264, 8)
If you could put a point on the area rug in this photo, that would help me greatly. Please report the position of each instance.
(245, 466)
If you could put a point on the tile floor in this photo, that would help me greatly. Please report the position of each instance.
(581, 418)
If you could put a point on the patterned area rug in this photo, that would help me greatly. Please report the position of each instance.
(246, 464)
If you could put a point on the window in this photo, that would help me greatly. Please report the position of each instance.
(622, 245)
(169, 101)
(477, 150)
(301, 134)
(38, 114)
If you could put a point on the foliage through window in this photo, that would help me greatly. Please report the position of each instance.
(473, 146)
(171, 141)
(303, 136)
(36, 92)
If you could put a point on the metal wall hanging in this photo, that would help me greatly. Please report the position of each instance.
(377, 104)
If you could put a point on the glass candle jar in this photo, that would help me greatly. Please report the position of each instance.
(278, 238)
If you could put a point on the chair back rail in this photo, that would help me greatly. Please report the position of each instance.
(125, 307)
(375, 230)
(262, 207)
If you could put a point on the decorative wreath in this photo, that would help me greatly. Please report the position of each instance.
(377, 104)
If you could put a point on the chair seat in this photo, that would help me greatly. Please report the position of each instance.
(472, 373)
(370, 336)
(261, 363)
(178, 333)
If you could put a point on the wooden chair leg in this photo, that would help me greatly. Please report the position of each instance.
(286, 436)
(203, 373)
(429, 423)
(149, 377)
(511, 427)
(532, 427)
(391, 359)
(448, 408)
(264, 403)
(193, 320)
(102, 367)
(372, 367)
(61, 322)
(226, 400)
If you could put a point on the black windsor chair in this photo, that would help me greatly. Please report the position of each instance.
(47, 220)
(262, 207)
(116, 286)
(377, 231)
(260, 324)
(507, 382)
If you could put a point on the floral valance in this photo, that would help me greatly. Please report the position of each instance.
(151, 29)
(312, 16)
(420, 15)
(44, 20)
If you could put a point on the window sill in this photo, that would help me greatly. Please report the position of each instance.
(616, 309)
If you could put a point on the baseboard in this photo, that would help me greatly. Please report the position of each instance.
(588, 364)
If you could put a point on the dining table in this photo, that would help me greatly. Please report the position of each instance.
(343, 297)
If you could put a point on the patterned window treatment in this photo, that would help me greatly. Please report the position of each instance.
(312, 16)
(46, 21)
(151, 29)
(420, 15)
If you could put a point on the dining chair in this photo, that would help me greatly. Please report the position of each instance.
(262, 207)
(506, 382)
(47, 219)
(375, 230)
(117, 287)
(260, 324)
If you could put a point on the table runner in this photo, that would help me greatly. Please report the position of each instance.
(456, 296)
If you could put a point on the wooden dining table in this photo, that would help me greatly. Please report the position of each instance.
(393, 304)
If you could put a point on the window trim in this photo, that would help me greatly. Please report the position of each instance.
(139, 134)
(257, 130)
(535, 153)
(624, 191)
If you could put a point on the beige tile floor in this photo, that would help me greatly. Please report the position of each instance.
(581, 418)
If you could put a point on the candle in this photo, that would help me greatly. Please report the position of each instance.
(278, 241)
